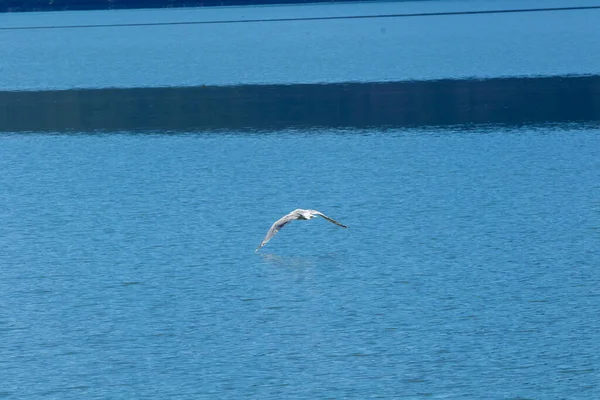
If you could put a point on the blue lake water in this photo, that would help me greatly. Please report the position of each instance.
(380, 49)
(469, 269)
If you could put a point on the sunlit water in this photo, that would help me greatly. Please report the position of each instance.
(375, 49)
(469, 268)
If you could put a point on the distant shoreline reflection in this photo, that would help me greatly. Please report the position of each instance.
(511, 101)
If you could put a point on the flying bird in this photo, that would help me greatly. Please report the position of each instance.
(296, 214)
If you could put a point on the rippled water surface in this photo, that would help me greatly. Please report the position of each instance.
(302, 51)
(469, 269)
(129, 217)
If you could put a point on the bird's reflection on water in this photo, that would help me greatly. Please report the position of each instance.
(287, 261)
(304, 261)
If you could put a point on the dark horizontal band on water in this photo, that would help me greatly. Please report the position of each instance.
(274, 107)
(425, 14)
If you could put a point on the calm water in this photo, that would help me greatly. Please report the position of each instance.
(381, 49)
(470, 268)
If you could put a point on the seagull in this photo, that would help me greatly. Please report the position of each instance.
(296, 214)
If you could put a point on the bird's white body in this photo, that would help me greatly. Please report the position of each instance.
(296, 214)
(303, 214)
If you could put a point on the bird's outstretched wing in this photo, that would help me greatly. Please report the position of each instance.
(320, 214)
(280, 223)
